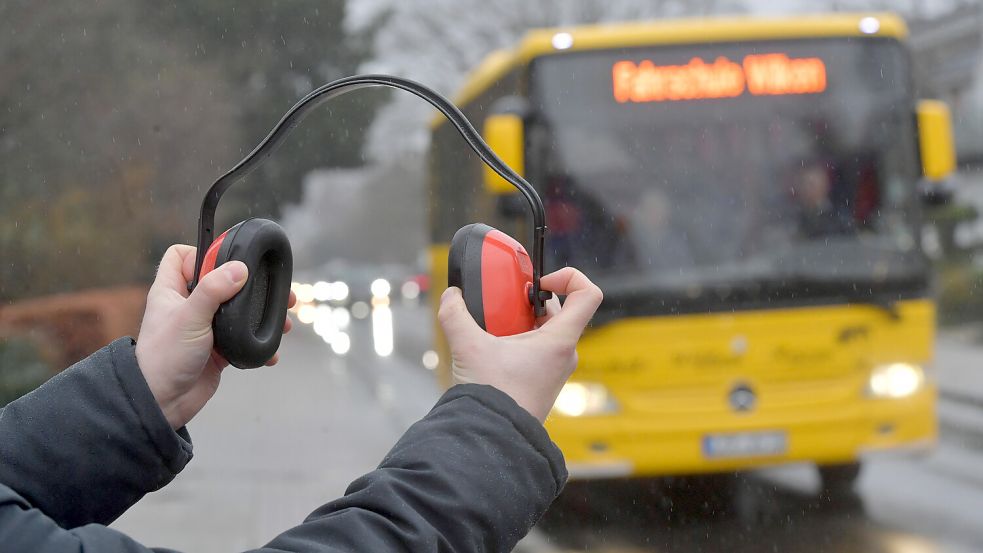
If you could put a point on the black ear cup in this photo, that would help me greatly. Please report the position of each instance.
(248, 327)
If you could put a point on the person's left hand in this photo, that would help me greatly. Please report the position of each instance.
(174, 348)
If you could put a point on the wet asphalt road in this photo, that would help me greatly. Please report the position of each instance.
(277, 443)
(753, 514)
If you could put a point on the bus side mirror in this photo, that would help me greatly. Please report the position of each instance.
(504, 134)
(504, 131)
(935, 140)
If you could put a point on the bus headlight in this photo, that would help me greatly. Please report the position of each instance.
(577, 399)
(896, 380)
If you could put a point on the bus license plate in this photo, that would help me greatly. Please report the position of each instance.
(745, 444)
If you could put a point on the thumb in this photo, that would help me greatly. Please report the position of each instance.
(458, 324)
(214, 289)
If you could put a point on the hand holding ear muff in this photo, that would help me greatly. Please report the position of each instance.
(498, 279)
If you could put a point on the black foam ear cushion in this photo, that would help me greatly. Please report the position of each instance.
(464, 267)
(248, 327)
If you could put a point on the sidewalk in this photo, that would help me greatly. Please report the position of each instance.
(276, 443)
(959, 374)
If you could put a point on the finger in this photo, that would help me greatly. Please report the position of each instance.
(188, 269)
(583, 299)
(458, 324)
(170, 271)
(292, 301)
(287, 325)
(273, 360)
(552, 308)
(214, 289)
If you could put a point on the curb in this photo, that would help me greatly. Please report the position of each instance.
(961, 420)
(535, 542)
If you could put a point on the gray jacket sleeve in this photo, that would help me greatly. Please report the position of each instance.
(90, 442)
(473, 475)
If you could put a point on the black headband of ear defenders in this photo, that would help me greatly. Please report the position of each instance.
(296, 114)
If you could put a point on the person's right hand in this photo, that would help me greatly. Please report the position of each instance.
(530, 367)
(174, 348)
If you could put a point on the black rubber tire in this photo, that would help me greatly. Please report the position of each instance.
(838, 480)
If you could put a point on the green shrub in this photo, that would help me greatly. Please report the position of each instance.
(21, 368)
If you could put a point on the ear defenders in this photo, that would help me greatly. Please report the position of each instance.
(498, 279)
(249, 326)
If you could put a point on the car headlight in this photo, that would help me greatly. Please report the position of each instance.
(339, 291)
(380, 288)
(896, 380)
(577, 399)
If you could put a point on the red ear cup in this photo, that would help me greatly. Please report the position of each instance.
(248, 327)
(494, 273)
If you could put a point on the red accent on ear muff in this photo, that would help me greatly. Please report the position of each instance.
(506, 277)
(208, 264)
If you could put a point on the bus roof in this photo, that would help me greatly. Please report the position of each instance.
(539, 42)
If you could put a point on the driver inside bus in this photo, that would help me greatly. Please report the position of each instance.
(659, 244)
(817, 214)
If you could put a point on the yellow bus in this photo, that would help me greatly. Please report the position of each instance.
(746, 192)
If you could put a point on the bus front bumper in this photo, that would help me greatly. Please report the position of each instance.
(626, 444)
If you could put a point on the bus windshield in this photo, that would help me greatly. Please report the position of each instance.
(702, 167)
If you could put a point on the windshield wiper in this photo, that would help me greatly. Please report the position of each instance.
(887, 305)
(853, 292)
(642, 297)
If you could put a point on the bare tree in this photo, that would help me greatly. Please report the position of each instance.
(439, 41)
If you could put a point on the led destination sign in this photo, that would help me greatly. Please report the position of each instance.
(758, 74)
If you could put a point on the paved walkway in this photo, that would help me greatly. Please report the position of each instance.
(959, 373)
(959, 362)
(277, 443)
